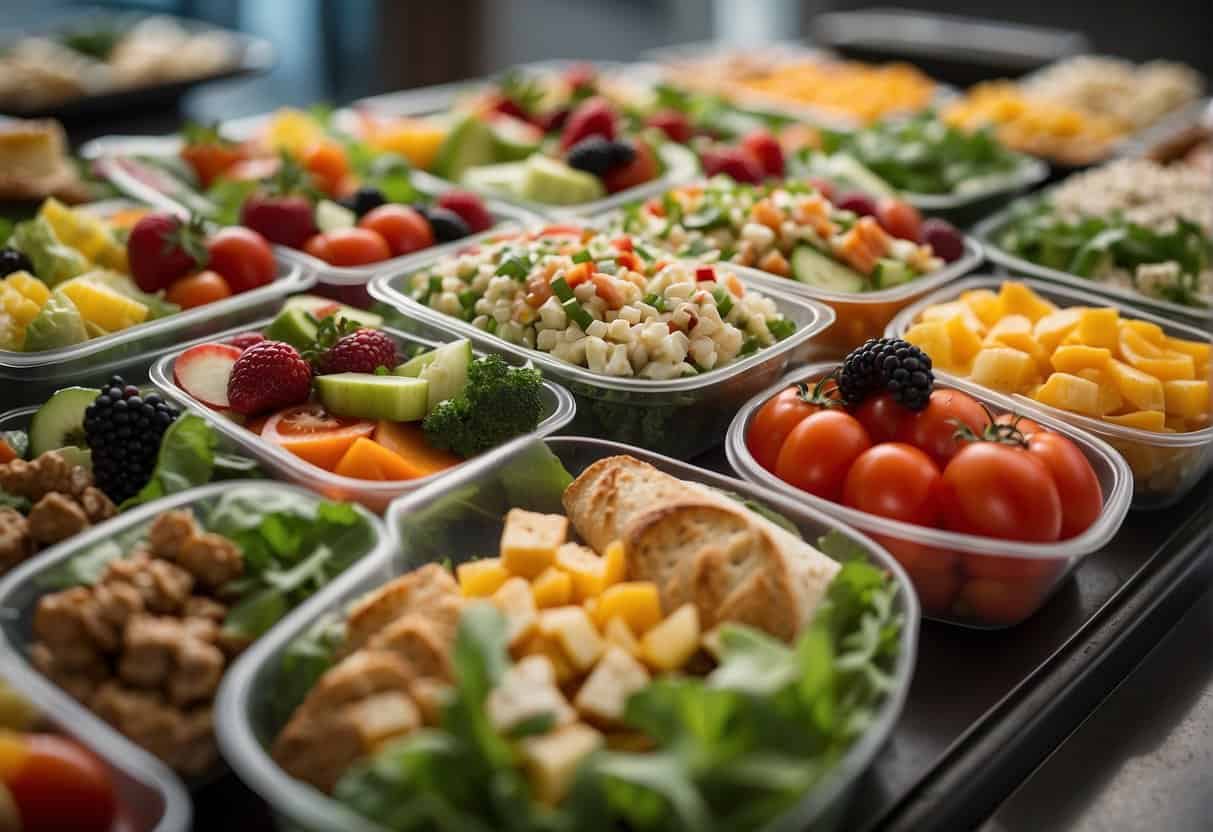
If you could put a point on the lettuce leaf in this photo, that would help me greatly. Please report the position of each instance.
(186, 459)
(53, 261)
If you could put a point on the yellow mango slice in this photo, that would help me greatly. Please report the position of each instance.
(1133, 342)
(1070, 392)
(1199, 350)
(1003, 368)
(552, 588)
(954, 309)
(1055, 326)
(1151, 359)
(966, 340)
(933, 339)
(1152, 420)
(1017, 299)
(1110, 400)
(636, 602)
(1187, 398)
(481, 578)
(1150, 331)
(614, 563)
(984, 303)
(1141, 390)
(99, 304)
(1073, 357)
(1099, 328)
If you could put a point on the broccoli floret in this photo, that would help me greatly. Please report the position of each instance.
(498, 403)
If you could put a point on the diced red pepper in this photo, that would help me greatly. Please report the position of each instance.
(654, 207)
(580, 273)
(623, 244)
(628, 260)
(705, 273)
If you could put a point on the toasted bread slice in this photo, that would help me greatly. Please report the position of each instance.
(611, 493)
(418, 591)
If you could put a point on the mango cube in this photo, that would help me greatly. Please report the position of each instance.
(638, 603)
(1150, 331)
(552, 588)
(670, 644)
(1187, 398)
(1099, 328)
(587, 570)
(572, 629)
(1072, 393)
(481, 578)
(614, 563)
(1004, 369)
(933, 339)
(954, 309)
(1052, 328)
(984, 303)
(1017, 299)
(1074, 357)
(965, 338)
(1110, 399)
(1140, 389)
(1199, 350)
(1152, 420)
(1150, 358)
(529, 541)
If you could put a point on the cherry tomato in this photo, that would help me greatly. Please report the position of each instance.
(243, 257)
(917, 557)
(57, 784)
(881, 416)
(404, 228)
(211, 159)
(932, 429)
(1012, 568)
(773, 422)
(328, 164)
(820, 450)
(1001, 603)
(936, 589)
(901, 219)
(350, 247)
(897, 481)
(1000, 490)
(198, 289)
(317, 246)
(1023, 424)
(1077, 485)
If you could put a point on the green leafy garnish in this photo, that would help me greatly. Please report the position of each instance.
(186, 458)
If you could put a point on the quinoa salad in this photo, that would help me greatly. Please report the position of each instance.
(605, 303)
(1132, 224)
(790, 230)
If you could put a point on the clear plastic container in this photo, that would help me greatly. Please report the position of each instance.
(41, 373)
(558, 409)
(963, 579)
(680, 417)
(20, 592)
(1165, 466)
(989, 230)
(451, 515)
(965, 207)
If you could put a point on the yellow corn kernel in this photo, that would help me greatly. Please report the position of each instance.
(481, 578)
(1187, 398)
(1070, 392)
(553, 588)
(1152, 420)
(636, 602)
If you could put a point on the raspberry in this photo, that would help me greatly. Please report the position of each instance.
(363, 351)
(123, 430)
(469, 207)
(246, 339)
(268, 376)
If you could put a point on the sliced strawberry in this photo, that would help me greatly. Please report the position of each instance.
(593, 117)
(734, 162)
(204, 371)
(765, 148)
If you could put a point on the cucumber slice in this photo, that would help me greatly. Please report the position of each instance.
(413, 367)
(890, 272)
(447, 372)
(365, 396)
(816, 269)
(330, 216)
(60, 422)
(296, 323)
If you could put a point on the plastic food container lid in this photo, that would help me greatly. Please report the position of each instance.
(242, 739)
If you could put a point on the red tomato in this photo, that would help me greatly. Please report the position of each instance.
(328, 164)
(57, 784)
(881, 416)
(643, 168)
(819, 451)
(349, 247)
(894, 480)
(773, 422)
(999, 603)
(1000, 490)
(1025, 425)
(918, 557)
(936, 589)
(901, 219)
(243, 257)
(1012, 568)
(404, 228)
(211, 159)
(932, 429)
(312, 433)
(198, 289)
(1077, 485)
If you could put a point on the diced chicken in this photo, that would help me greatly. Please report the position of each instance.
(197, 672)
(149, 647)
(527, 691)
(604, 694)
(212, 559)
(573, 630)
(169, 532)
(383, 717)
(418, 591)
(423, 641)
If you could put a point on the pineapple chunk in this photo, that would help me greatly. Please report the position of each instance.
(618, 632)
(933, 339)
(100, 305)
(551, 759)
(1072, 393)
(984, 303)
(1003, 368)
(1151, 332)
(1199, 350)
(670, 644)
(1141, 390)
(955, 309)
(1073, 357)
(553, 588)
(1099, 328)
(1186, 398)
(1110, 399)
(614, 563)
(604, 695)
(86, 234)
(516, 603)
(966, 340)
(1150, 358)
(1052, 328)
(587, 570)
(529, 541)
(572, 629)
(1152, 420)
(481, 578)
(638, 603)
(1017, 299)
(28, 286)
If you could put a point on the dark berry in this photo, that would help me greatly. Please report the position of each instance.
(12, 260)
(446, 224)
(621, 152)
(887, 365)
(593, 154)
(364, 200)
(124, 439)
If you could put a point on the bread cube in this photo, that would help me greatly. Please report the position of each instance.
(553, 588)
(585, 567)
(551, 759)
(670, 644)
(933, 339)
(984, 303)
(481, 578)
(638, 603)
(527, 690)
(516, 603)
(1072, 358)
(1152, 420)
(1004, 369)
(1052, 328)
(1017, 299)
(618, 633)
(537, 644)
(605, 693)
(1187, 398)
(1070, 392)
(572, 629)
(1099, 327)
(1141, 390)
(529, 541)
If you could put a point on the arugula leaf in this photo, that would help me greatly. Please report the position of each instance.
(186, 459)
(227, 196)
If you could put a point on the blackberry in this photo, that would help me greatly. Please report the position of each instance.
(123, 429)
(887, 365)
(12, 260)
(364, 200)
(622, 153)
(593, 154)
(446, 224)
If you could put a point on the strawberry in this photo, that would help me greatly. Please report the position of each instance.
(268, 376)
(765, 148)
(363, 351)
(734, 162)
(161, 249)
(593, 117)
(674, 123)
(245, 340)
(282, 210)
(642, 168)
(470, 208)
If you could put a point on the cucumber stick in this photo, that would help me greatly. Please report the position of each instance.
(365, 396)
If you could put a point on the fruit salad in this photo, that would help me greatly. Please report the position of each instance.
(325, 383)
(1092, 361)
(68, 275)
(602, 302)
(794, 230)
(140, 628)
(879, 436)
(90, 453)
(585, 651)
(1134, 226)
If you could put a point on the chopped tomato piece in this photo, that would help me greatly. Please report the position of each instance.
(312, 433)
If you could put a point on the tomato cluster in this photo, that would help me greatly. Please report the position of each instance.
(950, 466)
(49, 783)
